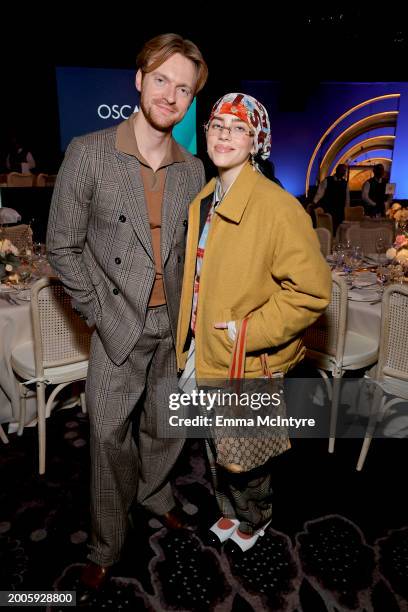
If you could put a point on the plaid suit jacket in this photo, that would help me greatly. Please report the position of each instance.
(99, 238)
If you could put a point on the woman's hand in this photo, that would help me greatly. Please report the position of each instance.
(230, 326)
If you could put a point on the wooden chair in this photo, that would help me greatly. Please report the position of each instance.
(41, 179)
(18, 179)
(46, 180)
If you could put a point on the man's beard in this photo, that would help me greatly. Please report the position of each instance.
(164, 126)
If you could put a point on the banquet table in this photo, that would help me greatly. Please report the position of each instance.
(16, 328)
(364, 318)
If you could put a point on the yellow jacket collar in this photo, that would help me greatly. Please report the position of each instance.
(235, 201)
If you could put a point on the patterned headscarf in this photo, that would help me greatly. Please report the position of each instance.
(253, 113)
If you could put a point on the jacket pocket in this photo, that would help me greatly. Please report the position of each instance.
(227, 316)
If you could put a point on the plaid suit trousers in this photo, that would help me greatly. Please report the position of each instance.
(126, 466)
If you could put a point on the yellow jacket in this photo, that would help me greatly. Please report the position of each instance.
(262, 259)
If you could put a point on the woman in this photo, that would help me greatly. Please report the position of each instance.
(253, 263)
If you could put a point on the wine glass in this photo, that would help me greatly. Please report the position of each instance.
(356, 257)
(338, 256)
(348, 265)
(380, 247)
(382, 277)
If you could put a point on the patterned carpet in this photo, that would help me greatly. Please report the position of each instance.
(338, 541)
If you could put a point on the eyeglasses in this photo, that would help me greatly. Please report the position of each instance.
(234, 131)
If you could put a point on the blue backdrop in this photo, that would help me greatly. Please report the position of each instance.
(295, 134)
(92, 99)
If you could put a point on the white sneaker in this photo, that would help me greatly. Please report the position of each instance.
(247, 543)
(224, 534)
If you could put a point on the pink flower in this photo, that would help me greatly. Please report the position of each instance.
(401, 241)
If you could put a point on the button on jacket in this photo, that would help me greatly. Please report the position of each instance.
(98, 213)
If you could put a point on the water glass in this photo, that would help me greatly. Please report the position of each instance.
(338, 256)
(356, 256)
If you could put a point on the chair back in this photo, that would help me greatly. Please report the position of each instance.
(327, 334)
(324, 219)
(325, 239)
(20, 179)
(61, 337)
(45, 180)
(20, 235)
(366, 237)
(354, 213)
(41, 179)
(393, 354)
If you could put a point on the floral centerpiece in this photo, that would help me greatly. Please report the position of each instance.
(398, 253)
(9, 259)
(398, 214)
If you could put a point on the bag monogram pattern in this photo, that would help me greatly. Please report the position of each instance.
(241, 454)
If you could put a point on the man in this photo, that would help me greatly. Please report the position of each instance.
(333, 195)
(116, 238)
(373, 193)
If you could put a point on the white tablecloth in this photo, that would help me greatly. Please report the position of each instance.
(364, 318)
(15, 329)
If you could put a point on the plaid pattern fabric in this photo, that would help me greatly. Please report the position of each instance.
(130, 466)
(100, 245)
(200, 252)
(98, 215)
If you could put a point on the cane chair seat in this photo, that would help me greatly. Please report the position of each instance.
(58, 356)
(23, 363)
(330, 347)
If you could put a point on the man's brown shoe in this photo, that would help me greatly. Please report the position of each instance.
(92, 579)
(176, 519)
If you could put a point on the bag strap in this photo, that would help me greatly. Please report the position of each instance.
(237, 366)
